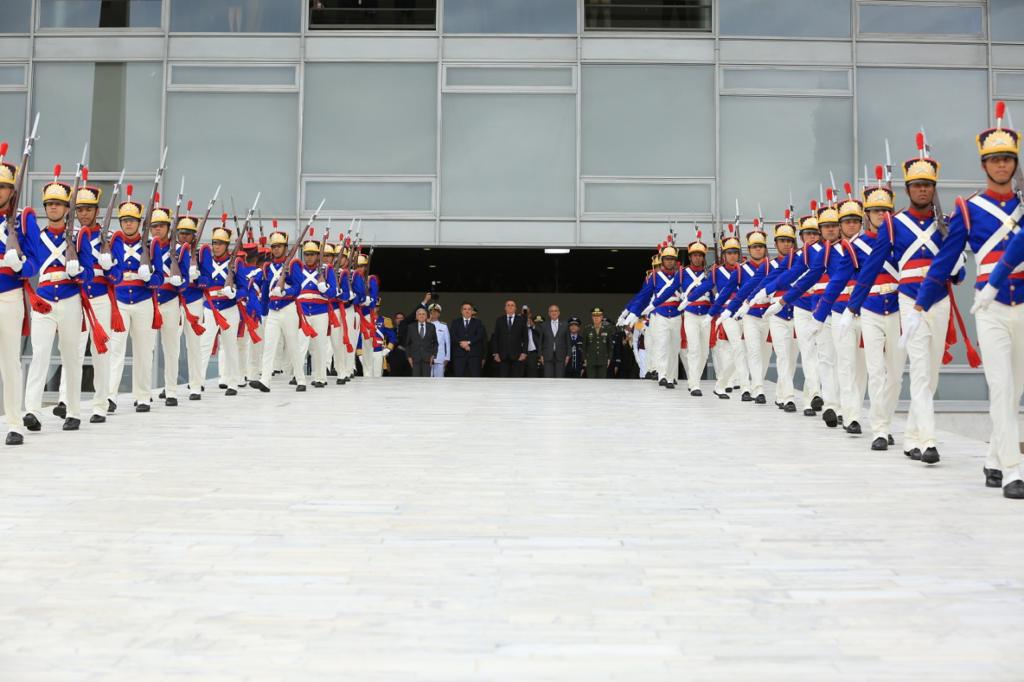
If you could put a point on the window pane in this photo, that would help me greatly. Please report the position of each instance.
(12, 75)
(508, 77)
(808, 136)
(17, 16)
(790, 18)
(786, 79)
(233, 75)
(509, 156)
(99, 13)
(116, 110)
(234, 147)
(950, 129)
(1010, 83)
(12, 129)
(510, 16)
(635, 197)
(373, 14)
(235, 16)
(648, 15)
(1007, 18)
(369, 196)
(370, 119)
(922, 19)
(656, 120)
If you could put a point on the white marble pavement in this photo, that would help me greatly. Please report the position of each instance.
(417, 529)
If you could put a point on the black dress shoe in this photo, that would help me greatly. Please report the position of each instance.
(892, 441)
(853, 428)
(746, 397)
(696, 393)
(663, 382)
(879, 444)
(831, 420)
(195, 396)
(71, 424)
(14, 438)
(993, 478)
(222, 386)
(735, 388)
(111, 406)
(761, 400)
(142, 407)
(163, 394)
(171, 402)
(60, 410)
(230, 392)
(339, 382)
(671, 384)
(809, 412)
(1014, 491)
(914, 454)
(721, 396)
(301, 388)
(930, 455)
(840, 418)
(260, 386)
(97, 419)
(817, 403)
(728, 389)
(293, 382)
(789, 407)
(276, 372)
(31, 422)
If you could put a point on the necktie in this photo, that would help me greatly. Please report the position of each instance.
(423, 332)
(554, 327)
(509, 321)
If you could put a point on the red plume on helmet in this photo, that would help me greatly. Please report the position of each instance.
(85, 174)
(1000, 112)
(56, 172)
(879, 174)
(224, 219)
(814, 205)
(919, 139)
(848, 189)
(128, 191)
(188, 206)
(3, 150)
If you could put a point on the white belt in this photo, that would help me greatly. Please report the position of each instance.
(131, 276)
(914, 272)
(889, 288)
(53, 277)
(312, 298)
(987, 268)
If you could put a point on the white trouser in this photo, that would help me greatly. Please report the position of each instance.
(12, 315)
(100, 361)
(641, 361)
(280, 359)
(65, 322)
(698, 338)
(1001, 337)
(924, 349)
(245, 347)
(282, 338)
(827, 371)
(317, 347)
(667, 332)
(740, 374)
(724, 367)
(170, 343)
(377, 363)
(652, 340)
(851, 373)
(758, 350)
(884, 360)
(193, 348)
(228, 343)
(255, 359)
(352, 318)
(337, 349)
(804, 324)
(785, 357)
(437, 370)
(138, 323)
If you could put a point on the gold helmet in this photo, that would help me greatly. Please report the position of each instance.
(999, 141)
(221, 234)
(878, 197)
(57, 190)
(311, 246)
(88, 196)
(785, 230)
(363, 259)
(922, 167)
(160, 216)
(8, 171)
(851, 208)
(730, 242)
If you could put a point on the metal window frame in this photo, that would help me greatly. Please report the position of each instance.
(897, 36)
(24, 81)
(328, 211)
(996, 95)
(512, 89)
(787, 92)
(81, 31)
(647, 216)
(171, 86)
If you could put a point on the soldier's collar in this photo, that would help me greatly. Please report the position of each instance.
(925, 215)
(995, 196)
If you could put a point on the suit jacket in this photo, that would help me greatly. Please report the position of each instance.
(509, 343)
(553, 347)
(421, 349)
(475, 334)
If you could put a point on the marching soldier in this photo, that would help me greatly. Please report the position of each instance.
(282, 327)
(382, 341)
(574, 368)
(661, 294)
(340, 340)
(991, 222)
(60, 274)
(752, 322)
(874, 304)
(727, 336)
(695, 303)
(220, 307)
(314, 308)
(15, 269)
(639, 303)
(249, 277)
(137, 302)
(168, 295)
(192, 301)
(597, 346)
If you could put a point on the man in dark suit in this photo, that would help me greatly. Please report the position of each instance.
(421, 344)
(468, 343)
(508, 342)
(554, 344)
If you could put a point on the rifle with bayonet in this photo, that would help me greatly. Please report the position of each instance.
(202, 227)
(172, 235)
(232, 263)
(279, 284)
(940, 218)
(13, 218)
(321, 266)
(81, 173)
(147, 213)
(108, 219)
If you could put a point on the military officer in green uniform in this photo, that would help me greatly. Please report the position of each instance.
(597, 345)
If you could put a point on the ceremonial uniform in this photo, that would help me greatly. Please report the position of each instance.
(314, 311)
(282, 327)
(136, 300)
(249, 277)
(638, 306)
(444, 344)
(192, 307)
(696, 302)
(753, 324)
(574, 368)
(727, 336)
(661, 295)
(169, 296)
(597, 348)
(991, 222)
(221, 316)
(780, 325)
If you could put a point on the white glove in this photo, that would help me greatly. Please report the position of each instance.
(176, 280)
(73, 268)
(367, 301)
(983, 298)
(228, 292)
(726, 314)
(744, 309)
(631, 319)
(386, 351)
(911, 321)
(647, 311)
(760, 298)
(621, 322)
(321, 287)
(106, 261)
(193, 272)
(844, 323)
(277, 292)
(12, 261)
(145, 272)
(773, 309)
